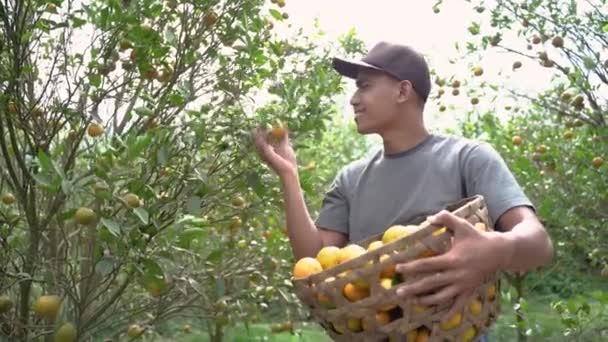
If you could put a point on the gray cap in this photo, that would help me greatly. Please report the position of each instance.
(399, 61)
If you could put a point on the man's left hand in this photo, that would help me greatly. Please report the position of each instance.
(473, 258)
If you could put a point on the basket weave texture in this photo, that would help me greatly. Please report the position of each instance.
(365, 319)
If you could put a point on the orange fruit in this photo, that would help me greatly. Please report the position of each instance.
(481, 226)
(440, 231)
(475, 307)
(411, 335)
(568, 135)
(85, 216)
(397, 232)
(278, 132)
(66, 333)
(8, 198)
(353, 293)
(132, 200)
(491, 292)
(477, 71)
(12, 108)
(354, 324)
(423, 335)
(374, 245)
(6, 304)
(350, 252)
(324, 300)
(210, 18)
(94, 130)
(305, 267)
(541, 149)
(328, 256)
(238, 201)
(419, 309)
(516, 65)
(135, 330)
(597, 162)
(389, 271)
(382, 318)
(47, 306)
(427, 253)
(451, 323)
(558, 42)
(468, 334)
(165, 75)
(517, 140)
(387, 283)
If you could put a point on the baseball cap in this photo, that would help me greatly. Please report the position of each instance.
(399, 61)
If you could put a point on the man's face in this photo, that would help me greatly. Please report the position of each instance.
(375, 101)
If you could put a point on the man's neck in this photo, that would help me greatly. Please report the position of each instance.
(399, 141)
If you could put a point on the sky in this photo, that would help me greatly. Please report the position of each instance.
(413, 22)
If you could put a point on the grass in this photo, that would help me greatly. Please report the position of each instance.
(543, 321)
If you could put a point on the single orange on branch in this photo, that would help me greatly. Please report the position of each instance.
(278, 131)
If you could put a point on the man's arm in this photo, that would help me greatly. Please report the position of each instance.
(525, 242)
(305, 238)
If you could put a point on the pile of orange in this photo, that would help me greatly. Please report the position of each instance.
(358, 289)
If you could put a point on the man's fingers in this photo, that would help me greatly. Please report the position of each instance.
(438, 297)
(426, 265)
(453, 222)
(459, 304)
(426, 284)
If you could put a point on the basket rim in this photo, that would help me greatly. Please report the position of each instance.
(425, 229)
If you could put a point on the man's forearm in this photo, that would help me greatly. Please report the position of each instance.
(526, 247)
(304, 236)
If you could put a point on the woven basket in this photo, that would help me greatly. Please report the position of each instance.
(342, 318)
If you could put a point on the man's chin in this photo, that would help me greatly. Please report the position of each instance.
(364, 130)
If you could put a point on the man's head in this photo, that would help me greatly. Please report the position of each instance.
(391, 79)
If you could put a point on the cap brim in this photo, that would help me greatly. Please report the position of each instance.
(350, 68)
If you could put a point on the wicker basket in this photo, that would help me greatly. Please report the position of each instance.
(342, 318)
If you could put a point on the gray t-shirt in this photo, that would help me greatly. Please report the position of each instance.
(375, 192)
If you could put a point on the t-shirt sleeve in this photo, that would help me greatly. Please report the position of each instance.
(487, 174)
(334, 209)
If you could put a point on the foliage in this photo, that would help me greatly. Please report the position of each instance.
(125, 142)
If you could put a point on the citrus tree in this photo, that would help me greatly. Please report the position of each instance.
(554, 139)
(130, 193)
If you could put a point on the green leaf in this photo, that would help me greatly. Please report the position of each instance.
(66, 186)
(193, 205)
(104, 266)
(162, 155)
(215, 256)
(144, 111)
(142, 214)
(474, 28)
(44, 161)
(141, 143)
(605, 27)
(190, 234)
(152, 270)
(276, 14)
(112, 226)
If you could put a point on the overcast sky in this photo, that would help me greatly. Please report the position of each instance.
(413, 22)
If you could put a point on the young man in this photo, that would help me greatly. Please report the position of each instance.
(414, 175)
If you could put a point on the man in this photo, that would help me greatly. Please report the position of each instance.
(413, 175)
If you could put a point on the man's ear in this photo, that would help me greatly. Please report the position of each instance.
(406, 91)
